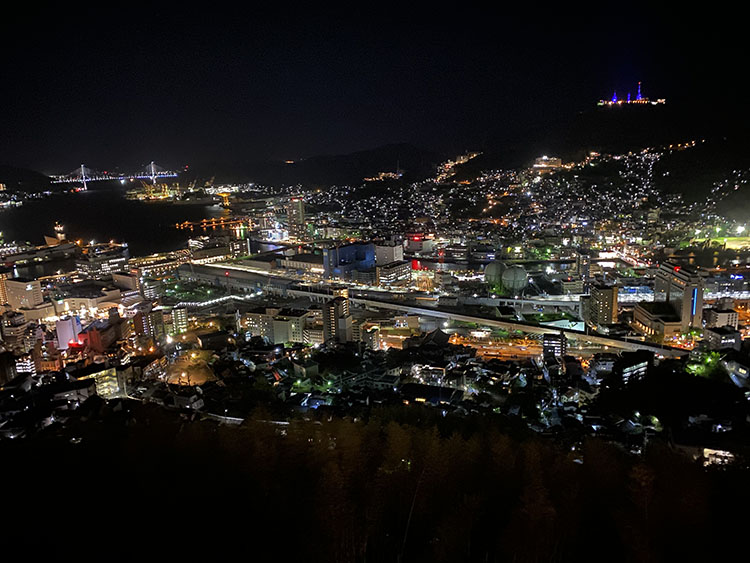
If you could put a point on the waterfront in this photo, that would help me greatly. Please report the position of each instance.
(103, 214)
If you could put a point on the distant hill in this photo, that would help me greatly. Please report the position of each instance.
(23, 180)
(623, 129)
(333, 169)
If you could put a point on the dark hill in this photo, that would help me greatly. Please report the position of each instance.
(334, 169)
(23, 180)
(630, 128)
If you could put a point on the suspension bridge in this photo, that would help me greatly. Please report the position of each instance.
(83, 175)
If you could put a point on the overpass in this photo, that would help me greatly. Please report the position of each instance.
(242, 281)
(530, 328)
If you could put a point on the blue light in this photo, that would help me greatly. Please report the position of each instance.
(695, 299)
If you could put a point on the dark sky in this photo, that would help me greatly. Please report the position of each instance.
(120, 89)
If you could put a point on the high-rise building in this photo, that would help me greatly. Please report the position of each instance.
(5, 274)
(681, 287)
(340, 291)
(337, 320)
(296, 218)
(603, 305)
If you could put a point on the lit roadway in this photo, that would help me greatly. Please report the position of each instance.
(528, 328)
(322, 294)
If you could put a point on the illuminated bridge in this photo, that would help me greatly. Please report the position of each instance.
(83, 175)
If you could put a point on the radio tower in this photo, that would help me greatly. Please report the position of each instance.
(638, 97)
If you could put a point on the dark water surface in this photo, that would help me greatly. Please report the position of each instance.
(104, 214)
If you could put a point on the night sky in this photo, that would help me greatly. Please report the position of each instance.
(120, 89)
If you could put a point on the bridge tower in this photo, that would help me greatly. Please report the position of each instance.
(83, 177)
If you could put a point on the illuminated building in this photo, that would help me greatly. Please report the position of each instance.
(179, 320)
(14, 326)
(682, 287)
(603, 305)
(288, 326)
(555, 345)
(721, 317)
(23, 293)
(25, 364)
(340, 291)
(4, 275)
(632, 366)
(388, 253)
(85, 296)
(109, 384)
(548, 163)
(60, 232)
(149, 324)
(657, 319)
(583, 265)
(341, 261)
(296, 218)
(394, 273)
(639, 100)
(239, 248)
(371, 337)
(259, 322)
(572, 285)
(337, 320)
(101, 264)
(68, 329)
(159, 264)
(312, 263)
(723, 337)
